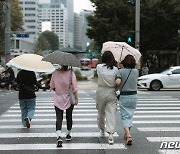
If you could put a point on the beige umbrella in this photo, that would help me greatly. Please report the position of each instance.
(32, 62)
(120, 50)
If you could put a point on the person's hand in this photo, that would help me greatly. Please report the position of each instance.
(76, 101)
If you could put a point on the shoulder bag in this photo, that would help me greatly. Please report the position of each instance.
(72, 96)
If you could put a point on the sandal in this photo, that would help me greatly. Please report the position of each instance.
(129, 140)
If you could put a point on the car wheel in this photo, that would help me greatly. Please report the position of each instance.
(155, 85)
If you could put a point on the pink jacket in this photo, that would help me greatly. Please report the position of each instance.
(61, 82)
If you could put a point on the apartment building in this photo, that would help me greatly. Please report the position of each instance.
(30, 17)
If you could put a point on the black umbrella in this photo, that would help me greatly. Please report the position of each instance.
(62, 58)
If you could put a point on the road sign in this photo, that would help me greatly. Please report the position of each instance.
(22, 35)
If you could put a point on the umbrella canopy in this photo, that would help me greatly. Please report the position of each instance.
(120, 50)
(62, 58)
(32, 62)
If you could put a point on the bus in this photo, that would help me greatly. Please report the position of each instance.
(94, 62)
(85, 63)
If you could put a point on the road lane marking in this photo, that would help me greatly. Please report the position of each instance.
(169, 151)
(51, 110)
(78, 134)
(163, 139)
(48, 126)
(158, 122)
(48, 120)
(68, 146)
(156, 116)
(161, 129)
(48, 115)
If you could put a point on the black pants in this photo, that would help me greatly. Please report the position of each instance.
(59, 117)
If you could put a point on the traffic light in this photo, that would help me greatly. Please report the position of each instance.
(89, 50)
(129, 39)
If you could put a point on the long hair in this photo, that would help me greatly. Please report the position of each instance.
(108, 59)
(129, 62)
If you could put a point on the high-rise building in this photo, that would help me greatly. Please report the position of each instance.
(69, 4)
(30, 17)
(85, 40)
(56, 13)
(77, 31)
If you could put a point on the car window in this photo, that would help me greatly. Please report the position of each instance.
(166, 71)
(177, 71)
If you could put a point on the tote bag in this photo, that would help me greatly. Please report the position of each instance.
(72, 97)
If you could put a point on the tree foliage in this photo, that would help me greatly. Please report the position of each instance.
(47, 41)
(16, 20)
(111, 21)
(159, 23)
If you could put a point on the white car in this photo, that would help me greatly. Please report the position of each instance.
(169, 78)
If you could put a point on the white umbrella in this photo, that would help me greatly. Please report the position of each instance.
(32, 62)
(120, 50)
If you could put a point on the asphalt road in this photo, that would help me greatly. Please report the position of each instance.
(156, 120)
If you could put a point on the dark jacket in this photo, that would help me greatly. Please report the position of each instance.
(26, 79)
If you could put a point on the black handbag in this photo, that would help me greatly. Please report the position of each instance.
(118, 96)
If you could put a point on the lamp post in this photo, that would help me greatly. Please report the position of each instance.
(7, 30)
(137, 25)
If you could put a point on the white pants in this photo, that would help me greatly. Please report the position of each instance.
(106, 104)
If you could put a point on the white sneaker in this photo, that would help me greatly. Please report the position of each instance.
(102, 133)
(110, 139)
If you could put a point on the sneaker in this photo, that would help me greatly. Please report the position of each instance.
(59, 142)
(68, 137)
(102, 133)
(27, 122)
(110, 140)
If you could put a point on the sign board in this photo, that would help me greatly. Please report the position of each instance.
(22, 35)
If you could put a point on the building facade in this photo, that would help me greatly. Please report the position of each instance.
(30, 17)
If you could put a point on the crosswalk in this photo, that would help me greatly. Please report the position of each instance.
(159, 116)
(154, 114)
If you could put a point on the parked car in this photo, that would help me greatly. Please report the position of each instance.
(169, 78)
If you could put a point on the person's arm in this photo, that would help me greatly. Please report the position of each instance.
(52, 84)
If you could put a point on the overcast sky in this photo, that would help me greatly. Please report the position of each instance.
(78, 5)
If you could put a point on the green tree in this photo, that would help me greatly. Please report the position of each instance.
(159, 25)
(16, 20)
(47, 41)
(111, 21)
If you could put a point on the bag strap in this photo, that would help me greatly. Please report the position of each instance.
(126, 80)
(70, 77)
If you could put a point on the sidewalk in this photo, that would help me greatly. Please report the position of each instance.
(90, 84)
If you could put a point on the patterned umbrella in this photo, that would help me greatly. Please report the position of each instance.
(120, 50)
(62, 58)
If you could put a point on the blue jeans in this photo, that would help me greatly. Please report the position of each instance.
(27, 107)
(127, 105)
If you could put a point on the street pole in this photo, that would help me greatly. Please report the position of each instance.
(137, 27)
(137, 24)
(7, 31)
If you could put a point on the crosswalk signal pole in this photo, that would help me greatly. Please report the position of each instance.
(7, 30)
(137, 27)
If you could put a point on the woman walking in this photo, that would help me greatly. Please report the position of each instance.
(106, 99)
(60, 80)
(127, 79)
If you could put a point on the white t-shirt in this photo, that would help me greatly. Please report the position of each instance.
(106, 76)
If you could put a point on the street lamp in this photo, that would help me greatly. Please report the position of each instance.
(137, 25)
